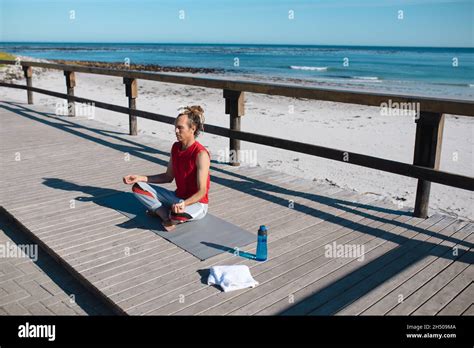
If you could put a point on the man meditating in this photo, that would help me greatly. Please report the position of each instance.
(189, 166)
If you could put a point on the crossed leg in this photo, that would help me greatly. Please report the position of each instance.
(159, 200)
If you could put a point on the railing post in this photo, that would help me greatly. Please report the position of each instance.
(235, 107)
(70, 84)
(429, 136)
(28, 71)
(131, 91)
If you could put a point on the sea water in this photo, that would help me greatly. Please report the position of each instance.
(441, 72)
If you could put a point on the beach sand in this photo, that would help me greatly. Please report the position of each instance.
(349, 127)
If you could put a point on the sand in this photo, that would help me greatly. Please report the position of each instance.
(350, 127)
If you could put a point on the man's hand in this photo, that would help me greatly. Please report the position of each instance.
(132, 179)
(178, 207)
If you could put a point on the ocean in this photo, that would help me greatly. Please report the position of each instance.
(440, 72)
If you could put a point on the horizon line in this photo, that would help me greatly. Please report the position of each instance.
(224, 43)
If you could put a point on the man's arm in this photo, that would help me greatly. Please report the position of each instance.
(203, 163)
(156, 179)
(168, 176)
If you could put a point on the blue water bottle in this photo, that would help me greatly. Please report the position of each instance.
(262, 244)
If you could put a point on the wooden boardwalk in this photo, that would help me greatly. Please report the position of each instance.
(53, 170)
(30, 286)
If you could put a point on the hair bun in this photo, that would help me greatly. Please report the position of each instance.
(197, 109)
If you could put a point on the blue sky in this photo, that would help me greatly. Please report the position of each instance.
(320, 22)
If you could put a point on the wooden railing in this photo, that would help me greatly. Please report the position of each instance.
(429, 127)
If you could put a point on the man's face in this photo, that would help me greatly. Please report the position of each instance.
(182, 130)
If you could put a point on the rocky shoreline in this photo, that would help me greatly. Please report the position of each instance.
(141, 67)
(12, 73)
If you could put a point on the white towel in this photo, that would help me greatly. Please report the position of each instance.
(231, 278)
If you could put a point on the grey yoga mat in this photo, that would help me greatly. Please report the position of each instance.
(203, 238)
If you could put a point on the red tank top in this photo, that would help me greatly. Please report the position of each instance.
(185, 170)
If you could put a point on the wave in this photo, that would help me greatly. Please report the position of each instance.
(371, 78)
(312, 68)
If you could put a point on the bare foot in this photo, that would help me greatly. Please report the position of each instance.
(168, 225)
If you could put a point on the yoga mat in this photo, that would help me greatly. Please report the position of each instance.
(203, 238)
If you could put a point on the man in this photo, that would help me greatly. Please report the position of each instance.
(189, 165)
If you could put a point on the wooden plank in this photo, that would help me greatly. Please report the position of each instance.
(103, 243)
(131, 91)
(67, 223)
(60, 180)
(235, 108)
(89, 161)
(461, 303)
(163, 262)
(70, 84)
(155, 249)
(406, 266)
(390, 300)
(441, 271)
(113, 251)
(91, 238)
(428, 139)
(242, 189)
(118, 244)
(114, 157)
(28, 72)
(259, 205)
(469, 311)
(79, 230)
(448, 293)
(395, 265)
